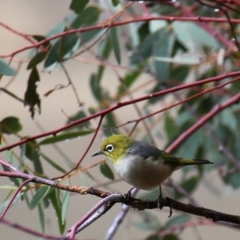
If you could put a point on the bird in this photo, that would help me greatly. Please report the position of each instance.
(140, 164)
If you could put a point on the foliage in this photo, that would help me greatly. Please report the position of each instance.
(175, 83)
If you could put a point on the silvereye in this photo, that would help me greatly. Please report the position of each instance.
(140, 164)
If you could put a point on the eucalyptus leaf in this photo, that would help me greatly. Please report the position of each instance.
(106, 171)
(5, 69)
(10, 125)
(64, 136)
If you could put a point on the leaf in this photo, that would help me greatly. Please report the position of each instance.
(65, 203)
(66, 45)
(39, 195)
(128, 81)
(228, 119)
(163, 48)
(64, 136)
(87, 36)
(78, 6)
(5, 69)
(52, 163)
(5, 203)
(170, 126)
(79, 115)
(115, 2)
(31, 96)
(188, 185)
(115, 44)
(41, 216)
(10, 125)
(179, 74)
(31, 151)
(54, 198)
(40, 38)
(192, 36)
(87, 17)
(149, 221)
(178, 220)
(106, 171)
(95, 87)
(39, 57)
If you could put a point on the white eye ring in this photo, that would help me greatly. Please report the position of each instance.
(109, 147)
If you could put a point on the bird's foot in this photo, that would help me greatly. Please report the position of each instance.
(160, 202)
(128, 195)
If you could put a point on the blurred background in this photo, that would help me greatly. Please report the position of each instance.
(62, 105)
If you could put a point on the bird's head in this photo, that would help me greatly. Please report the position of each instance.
(115, 147)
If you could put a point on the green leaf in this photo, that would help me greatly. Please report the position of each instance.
(170, 126)
(31, 151)
(163, 48)
(5, 69)
(39, 57)
(228, 119)
(115, 2)
(78, 6)
(87, 17)
(52, 163)
(188, 185)
(178, 220)
(149, 221)
(64, 136)
(179, 74)
(232, 179)
(192, 36)
(87, 36)
(66, 45)
(128, 81)
(96, 88)
(5, 203)
(110, 123)
(10, 125)
(39, 195)
(79, 115)
(144, 50)
(65, 203)
(115, 44)
(106, 171)
(55, 200)
(31, 96)
(41, 216)
(40, 38)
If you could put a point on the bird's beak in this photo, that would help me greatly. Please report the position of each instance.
(100, 152)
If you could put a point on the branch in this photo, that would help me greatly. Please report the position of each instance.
(133, 202)
(122, 104)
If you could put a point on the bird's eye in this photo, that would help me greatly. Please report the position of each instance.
(109, 147)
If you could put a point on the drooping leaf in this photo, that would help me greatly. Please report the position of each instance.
(63, 47)
(53, 163)
(64, 136)
(39, 195)
(149, 221)
(106, 171)
(115, 44)
(57, 205)
(163, 47)
(79, 115)
(40, 38)
(10, 125)
(78, 6)
(188, 185)
(87, 17)
(127, 81)
(96, 88)
(31, 96)
(39, 57)
(65, 203)
(5, 69)
(193, 36)
(170, 126)
(115, 2)
(31, 151)
(41, 216)
(181, 219)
